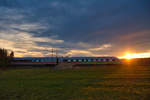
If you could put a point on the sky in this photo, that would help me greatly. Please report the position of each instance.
(31, 28)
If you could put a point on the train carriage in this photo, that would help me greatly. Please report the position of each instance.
(92, 60)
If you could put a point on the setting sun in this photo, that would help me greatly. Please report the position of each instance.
(129, 55)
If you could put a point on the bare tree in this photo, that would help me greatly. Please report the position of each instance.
(5, 57)
(12, 54)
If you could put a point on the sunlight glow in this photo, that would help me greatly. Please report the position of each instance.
(129, 55)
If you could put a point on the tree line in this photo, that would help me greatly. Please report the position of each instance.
(5, 57)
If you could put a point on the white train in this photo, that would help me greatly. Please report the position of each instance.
(75, 60)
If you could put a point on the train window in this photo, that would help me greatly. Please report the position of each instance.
(113, 59)
(107, 60)
(85, 60)
(104, 60)
(89, 60)
(37, 60)
(65, 60)
(110, 59)
(94, 60)
(69, 60)
(99, 59)
(80, 60)
(74, 60)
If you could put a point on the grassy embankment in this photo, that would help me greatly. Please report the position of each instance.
(104, 83)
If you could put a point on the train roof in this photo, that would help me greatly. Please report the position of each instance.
(91, 57)
(30, 58)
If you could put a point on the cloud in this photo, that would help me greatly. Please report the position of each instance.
(86, 53)
(28, 26)
(6, 44)
(25, 42)
(22, 37)
(89, 51)
(79, 52)
(93, 27)
(103, 47)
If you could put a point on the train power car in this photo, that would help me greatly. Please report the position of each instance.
(35, 61)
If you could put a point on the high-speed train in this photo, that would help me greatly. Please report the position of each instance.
(57, 60)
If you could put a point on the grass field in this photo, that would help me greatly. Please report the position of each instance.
(98, 83)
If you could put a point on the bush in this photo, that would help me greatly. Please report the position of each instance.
(5, 58)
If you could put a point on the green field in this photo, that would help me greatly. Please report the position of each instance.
(97, 83)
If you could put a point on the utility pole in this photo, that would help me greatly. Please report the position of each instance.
(56, 53)
(57, 59)
(52, 54)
